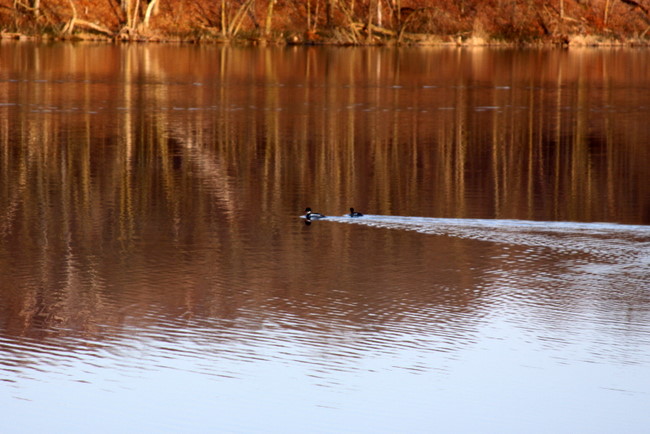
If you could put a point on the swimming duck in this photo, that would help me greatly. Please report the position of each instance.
(353, 213)
(309, 215)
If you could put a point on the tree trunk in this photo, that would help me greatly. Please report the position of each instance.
(237, 20)
(150, 9)
(68, 28)
(372, 9)
(224, 23)
(269, 18)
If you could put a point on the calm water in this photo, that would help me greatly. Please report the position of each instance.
(155, 275)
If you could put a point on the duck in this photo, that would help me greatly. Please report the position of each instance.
(309, 215)
(354, 213)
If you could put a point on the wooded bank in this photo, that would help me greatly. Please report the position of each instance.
(343, 22)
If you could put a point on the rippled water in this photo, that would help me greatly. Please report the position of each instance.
(156, 274)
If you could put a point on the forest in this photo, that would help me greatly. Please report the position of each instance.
(340, 22)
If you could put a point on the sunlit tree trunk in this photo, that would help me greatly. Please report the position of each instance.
(69, 27)
(152, 8)
(230, 26)
(269, 18)
(130, 12)
(224, 23)
(134, 19)
(308, 15)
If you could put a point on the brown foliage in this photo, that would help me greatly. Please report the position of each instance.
(320, 21)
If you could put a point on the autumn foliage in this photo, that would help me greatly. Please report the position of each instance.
(333, 21)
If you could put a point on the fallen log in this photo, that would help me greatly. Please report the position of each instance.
(77, 22)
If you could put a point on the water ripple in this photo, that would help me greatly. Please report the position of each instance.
(624, 248)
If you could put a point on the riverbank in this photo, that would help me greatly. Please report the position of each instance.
(333, 22)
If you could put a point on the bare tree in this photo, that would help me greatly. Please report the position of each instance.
(152, 8)
(269, 18)
(230, 26)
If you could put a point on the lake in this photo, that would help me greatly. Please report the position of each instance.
(156, 274)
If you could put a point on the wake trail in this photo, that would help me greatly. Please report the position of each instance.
(619, 245)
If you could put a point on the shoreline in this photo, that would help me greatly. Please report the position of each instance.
(572, 41)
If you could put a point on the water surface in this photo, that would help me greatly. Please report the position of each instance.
(155, 274)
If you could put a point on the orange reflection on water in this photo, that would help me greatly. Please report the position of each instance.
(196, 159)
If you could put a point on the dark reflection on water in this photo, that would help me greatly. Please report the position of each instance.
(152, 261)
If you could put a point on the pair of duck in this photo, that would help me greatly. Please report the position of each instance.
(310, 215)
